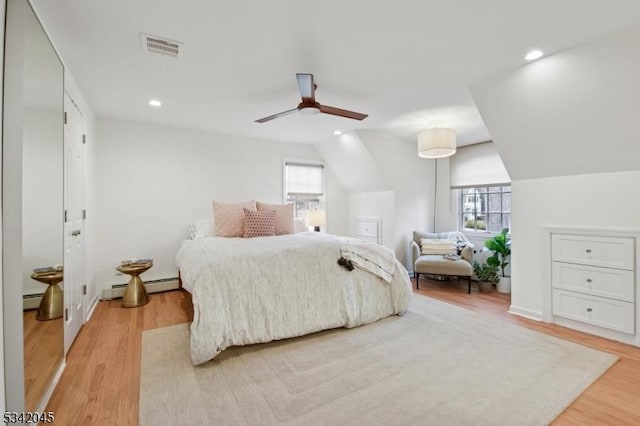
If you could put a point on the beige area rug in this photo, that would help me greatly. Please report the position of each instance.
(437, 365)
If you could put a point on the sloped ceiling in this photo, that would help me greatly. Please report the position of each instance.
(352, 163)
(407, 64)
(575, 112)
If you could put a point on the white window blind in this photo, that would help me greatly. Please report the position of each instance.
(476, 165)
(303, 178)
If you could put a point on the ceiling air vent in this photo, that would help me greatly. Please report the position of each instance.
(162, 46)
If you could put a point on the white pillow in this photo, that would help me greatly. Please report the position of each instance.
(432, 246)
(201, 228)
(299, 226)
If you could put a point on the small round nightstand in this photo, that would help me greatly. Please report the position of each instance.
(135, 294)
(51, 303)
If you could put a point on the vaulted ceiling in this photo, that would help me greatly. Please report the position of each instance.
(407, 64)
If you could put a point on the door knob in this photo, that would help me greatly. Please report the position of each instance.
(588, 250)
(589, 280)
(75, 233)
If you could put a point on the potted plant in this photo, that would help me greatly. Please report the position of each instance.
(501, 248)
(486, 274)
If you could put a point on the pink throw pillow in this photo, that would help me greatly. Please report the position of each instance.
(284, 216)
(259, 223)
(229, 218)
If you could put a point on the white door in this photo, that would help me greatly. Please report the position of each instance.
(74, 223)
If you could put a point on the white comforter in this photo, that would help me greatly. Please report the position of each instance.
(257, 290)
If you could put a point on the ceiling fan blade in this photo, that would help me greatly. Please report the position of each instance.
(342, 112)
(278, 115)
(307, 87)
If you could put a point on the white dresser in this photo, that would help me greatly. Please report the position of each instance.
(593, 283)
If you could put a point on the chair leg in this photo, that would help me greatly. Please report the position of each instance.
(469, 290)
(417, 278)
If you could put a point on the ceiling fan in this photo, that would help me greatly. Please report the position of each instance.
(309, 105)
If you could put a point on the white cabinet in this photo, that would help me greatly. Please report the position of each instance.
(593, 283)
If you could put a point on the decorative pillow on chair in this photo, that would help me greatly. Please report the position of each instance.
(259, 223)
(436, 246)
(284, 216)
(229, 218)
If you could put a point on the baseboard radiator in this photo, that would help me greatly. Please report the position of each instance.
(31, 301)
(153, 286)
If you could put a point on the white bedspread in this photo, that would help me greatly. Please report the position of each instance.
(257, 290)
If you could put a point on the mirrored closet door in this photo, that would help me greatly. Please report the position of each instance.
(33, 125)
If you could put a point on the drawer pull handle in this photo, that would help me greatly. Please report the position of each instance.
(589, 309)
(589, 280)
(588, 250)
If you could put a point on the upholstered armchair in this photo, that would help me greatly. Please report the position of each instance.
(437, 264)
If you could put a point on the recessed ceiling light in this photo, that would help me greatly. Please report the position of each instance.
(155, 103)
(337, 132)
(533, 55)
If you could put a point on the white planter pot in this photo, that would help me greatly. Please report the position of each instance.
(504, 286)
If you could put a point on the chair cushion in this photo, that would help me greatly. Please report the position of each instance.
(437, 265)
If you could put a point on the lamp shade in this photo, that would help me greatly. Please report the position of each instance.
(437, 143)
(317, 218)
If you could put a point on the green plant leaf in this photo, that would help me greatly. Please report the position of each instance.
(493, 261)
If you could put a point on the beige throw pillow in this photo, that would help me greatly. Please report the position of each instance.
(229, 218)
(284, 216)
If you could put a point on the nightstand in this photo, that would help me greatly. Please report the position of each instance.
(135, 294)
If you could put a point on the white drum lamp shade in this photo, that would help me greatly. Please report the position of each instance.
(317, 218)
(437, 143)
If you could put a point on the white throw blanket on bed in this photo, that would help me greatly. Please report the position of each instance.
(371, 257)
(261, 289)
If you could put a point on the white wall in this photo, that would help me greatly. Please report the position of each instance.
(604, 200)
(379, 205)
(412, 181)
(352, 163)
(42, 194)
(152, 181)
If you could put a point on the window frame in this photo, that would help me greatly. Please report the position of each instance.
(305, 162)
(487, 212)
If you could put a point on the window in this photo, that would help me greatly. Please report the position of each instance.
(303, 187)
(485, 208)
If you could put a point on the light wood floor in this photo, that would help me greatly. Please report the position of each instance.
(100, 384)
(43, 349)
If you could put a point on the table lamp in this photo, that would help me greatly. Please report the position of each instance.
(317, 218)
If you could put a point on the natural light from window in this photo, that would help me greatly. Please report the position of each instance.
(485, 208)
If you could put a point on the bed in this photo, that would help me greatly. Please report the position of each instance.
(255, 290)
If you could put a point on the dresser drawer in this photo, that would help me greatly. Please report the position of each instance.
(596, 251)
(606, 282)
(606, 313)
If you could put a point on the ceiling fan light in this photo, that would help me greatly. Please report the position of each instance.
(310, 110)
(437, 143)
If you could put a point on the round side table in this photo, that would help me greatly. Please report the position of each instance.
(51, 303)
(135, 294)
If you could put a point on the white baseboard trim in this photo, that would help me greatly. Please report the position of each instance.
(92, 307)
(52, 386)
(155, 286)
(524, 312)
